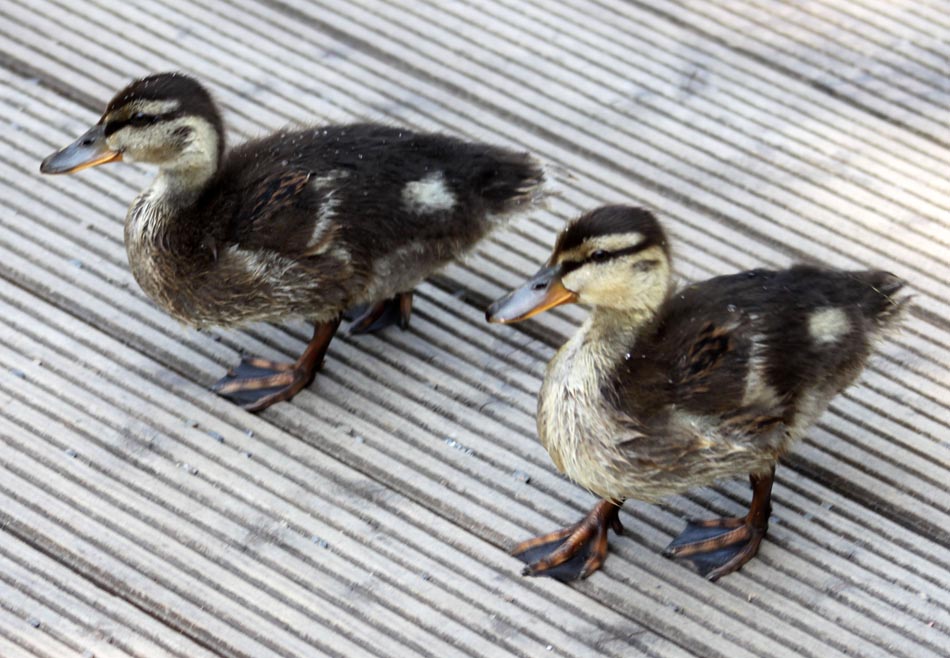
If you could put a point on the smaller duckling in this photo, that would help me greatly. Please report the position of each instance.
(301, 223)
(660, 391)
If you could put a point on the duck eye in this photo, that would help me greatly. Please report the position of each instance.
(599, 256)
(140, 119)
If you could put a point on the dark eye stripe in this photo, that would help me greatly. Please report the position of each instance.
(115, 126)
(637, 248)
(610, 255)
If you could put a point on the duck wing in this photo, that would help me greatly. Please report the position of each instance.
(370, 188)
(740, 357)
(695, 358)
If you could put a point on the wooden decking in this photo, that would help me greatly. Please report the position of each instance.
(141, 515)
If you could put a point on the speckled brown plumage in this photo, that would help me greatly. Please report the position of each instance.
(305, 223)
(661, 390)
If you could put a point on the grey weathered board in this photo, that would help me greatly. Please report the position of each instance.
(141, 515)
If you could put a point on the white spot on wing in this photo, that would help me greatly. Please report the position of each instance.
(258, 264)
(757, 389)
(324, 227)
(828, 325)
(330, 181)
(429, 194)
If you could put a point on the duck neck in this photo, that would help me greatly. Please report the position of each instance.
(612, 331)
(157, 216)
(178, 188)
(591, 353)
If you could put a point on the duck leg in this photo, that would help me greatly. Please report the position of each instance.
(573, 552)
(258, 383)
(395, 310)
(720, 546)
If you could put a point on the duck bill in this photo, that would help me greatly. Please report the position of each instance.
(542, 291)
(90, 150)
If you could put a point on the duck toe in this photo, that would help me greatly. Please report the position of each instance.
(256, 384)
(718, 546)
(538, 561)
(574, 552)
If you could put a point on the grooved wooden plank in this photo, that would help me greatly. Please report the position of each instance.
(103, 622)
(886, 77)
(891, 477)
(323, 587)
(506, 93)
(8, 646)
(409, 454)
(736, 137)
(53, 624)
(22, 638)
(161, 421)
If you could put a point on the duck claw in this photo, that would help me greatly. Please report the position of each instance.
(574, 552)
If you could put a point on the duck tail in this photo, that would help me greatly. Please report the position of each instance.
(883, 302)
(511, 181)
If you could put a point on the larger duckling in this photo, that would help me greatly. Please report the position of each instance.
(300, 223)
(660, 390)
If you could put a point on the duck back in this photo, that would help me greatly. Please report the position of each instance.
(759, 338)
(312, 222)
(385, 186)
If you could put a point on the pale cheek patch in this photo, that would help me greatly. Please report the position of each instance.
(575, 281)
(828, 325)
(187, 143)
(617, 283)
(428, 195)
(204, 139)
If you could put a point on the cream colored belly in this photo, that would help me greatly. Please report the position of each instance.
(615, 457)
(573, 426)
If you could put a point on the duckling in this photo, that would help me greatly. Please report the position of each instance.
(660, 391)
(306, 223)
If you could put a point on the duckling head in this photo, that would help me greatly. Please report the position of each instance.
(166, 119)
(614, 257)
